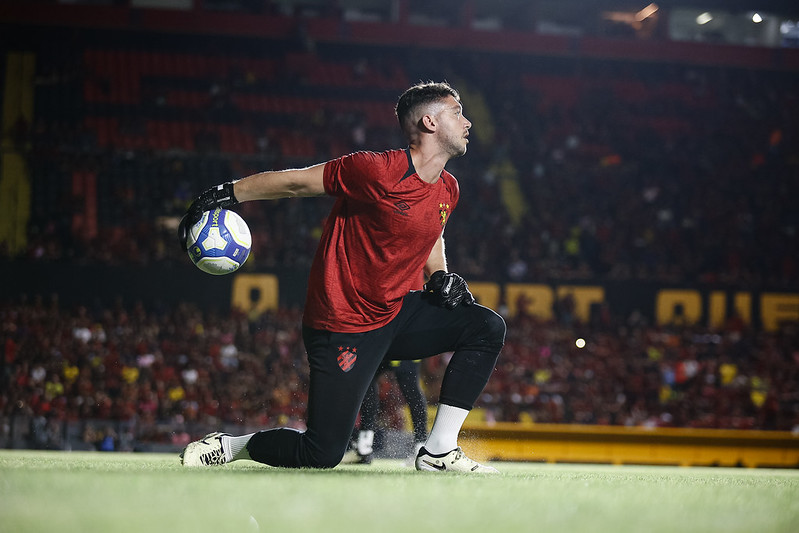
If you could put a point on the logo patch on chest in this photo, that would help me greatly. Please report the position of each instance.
(402, 208)
(443, 211)
(346, 358)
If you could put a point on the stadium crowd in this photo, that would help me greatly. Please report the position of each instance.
(151, 366)
(577, 170)
(596, 170)
(193, 369)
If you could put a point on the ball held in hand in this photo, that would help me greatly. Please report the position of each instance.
(219, 243)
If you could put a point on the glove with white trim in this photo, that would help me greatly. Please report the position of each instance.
(448, 289)
(218, 196)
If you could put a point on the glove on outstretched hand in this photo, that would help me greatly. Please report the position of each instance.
(448, 290)
(219, 196)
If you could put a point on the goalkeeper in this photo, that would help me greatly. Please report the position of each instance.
(386, 225)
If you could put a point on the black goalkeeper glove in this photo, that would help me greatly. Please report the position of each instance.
(219, 196)
(448, 289)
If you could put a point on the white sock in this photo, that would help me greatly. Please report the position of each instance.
(235, 448)
(416, 447)
(366, 439)
(443, 436)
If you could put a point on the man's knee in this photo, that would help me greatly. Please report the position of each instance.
(325, 460)
(323, 451)
(488, 329)
(496, 328)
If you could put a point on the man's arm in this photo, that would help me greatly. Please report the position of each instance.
(307, 181)
(271, 185)
(447, 289)
(437, 259)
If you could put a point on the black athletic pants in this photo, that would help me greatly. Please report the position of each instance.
(342, 366)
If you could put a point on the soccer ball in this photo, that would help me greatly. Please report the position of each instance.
(220, 242)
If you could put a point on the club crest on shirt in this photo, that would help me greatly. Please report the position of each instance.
(346, 358)
(443, 211)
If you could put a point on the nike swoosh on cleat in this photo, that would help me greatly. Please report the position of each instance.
(437, 467)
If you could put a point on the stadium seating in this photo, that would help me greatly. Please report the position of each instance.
(663, 136)
(578, 170)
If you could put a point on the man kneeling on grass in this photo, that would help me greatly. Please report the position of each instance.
(386, 226)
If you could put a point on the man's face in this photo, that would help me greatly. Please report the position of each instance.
(454, 127)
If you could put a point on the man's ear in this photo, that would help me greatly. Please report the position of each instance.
(427, 123)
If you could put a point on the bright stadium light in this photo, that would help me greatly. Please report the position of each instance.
(704, 18)
(580, 343)
(756, 18)
(646, 12)
(635, 20)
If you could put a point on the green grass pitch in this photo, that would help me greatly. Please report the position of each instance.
(65, 492)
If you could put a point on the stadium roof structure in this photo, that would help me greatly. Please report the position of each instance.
(785, 7)
(751, 23)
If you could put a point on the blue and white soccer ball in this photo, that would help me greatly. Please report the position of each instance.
(220, 242)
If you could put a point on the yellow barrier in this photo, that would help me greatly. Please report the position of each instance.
(562, 443)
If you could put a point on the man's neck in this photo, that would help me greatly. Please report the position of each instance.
(428, 165)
